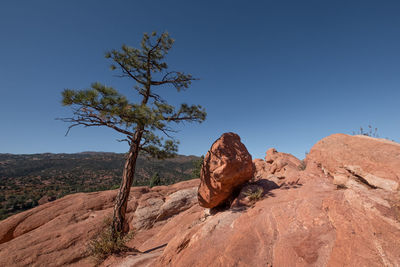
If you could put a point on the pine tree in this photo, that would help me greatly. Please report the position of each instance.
(145, 122)
(197, 165)
(155, 180)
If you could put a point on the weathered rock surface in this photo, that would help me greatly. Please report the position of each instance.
(56, 233)
(307, 220)
(303, 219)
(46, 199)
(177, 202)
(278, 167)
(372, 161)
(313, 224)
(226, 166)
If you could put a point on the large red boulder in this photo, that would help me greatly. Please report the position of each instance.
(226, 166)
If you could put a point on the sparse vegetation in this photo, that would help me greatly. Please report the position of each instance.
(372, 132)
(254, 194)
(197, 167)
(155, 180)
(104, 245)
(303, 165)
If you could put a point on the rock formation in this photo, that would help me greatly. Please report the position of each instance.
(307, 220)
(226, 166)
(57, 233)
(341, 209)
(374, 162)
(278, 167)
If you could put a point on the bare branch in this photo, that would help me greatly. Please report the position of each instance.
(130, 74)
(177, 119)
(165, 130)
(88, 118)
(156, 45)
(174, 81)
(125, 140)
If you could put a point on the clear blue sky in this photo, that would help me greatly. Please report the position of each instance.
(281, 74)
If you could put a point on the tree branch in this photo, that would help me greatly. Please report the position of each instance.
(165, 131)
(177, 79)
(130, 74)
(87, 118)
(156, 45)
(177, 119)
(125, 140)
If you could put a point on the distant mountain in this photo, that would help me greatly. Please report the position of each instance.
(25, 179)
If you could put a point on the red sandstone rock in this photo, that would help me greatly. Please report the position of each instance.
(376, 161)
(278, 167)
(46, 199)
(57, 233)
(311, 223)
(226, 166)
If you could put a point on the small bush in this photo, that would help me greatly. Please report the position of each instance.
(105, 245)
(303, 165)
(372, 132)
(155, 180)
(254, 194)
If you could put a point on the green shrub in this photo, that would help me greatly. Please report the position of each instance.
(197, 165)
(254, 194)
(155, 180)
(303, 165)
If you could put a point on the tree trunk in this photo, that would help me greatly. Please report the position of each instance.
(119, 224)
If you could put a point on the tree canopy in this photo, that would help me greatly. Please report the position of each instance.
(102, 105)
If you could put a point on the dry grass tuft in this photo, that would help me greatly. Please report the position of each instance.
(104, 245)
(254, 194)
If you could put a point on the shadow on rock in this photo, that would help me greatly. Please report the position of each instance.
(155, 248)
(252, 192)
